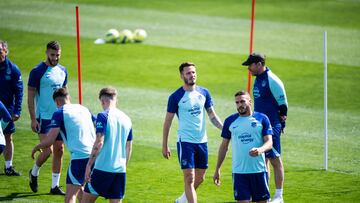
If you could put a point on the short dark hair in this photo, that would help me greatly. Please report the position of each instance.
(108, 92)
(241, 92)
(55, 45)
(185, 64)
(61, 92)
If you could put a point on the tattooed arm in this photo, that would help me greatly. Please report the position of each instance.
(215, 120)
(94, 152)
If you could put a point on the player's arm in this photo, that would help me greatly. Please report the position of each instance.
(99, 142)
(31, 107)
(214, 118)
(128, 151)
(47, 142)
(265, 147)
(221, 156)
(5, 117)
(18, 95)
(166, 130)
(278, 91)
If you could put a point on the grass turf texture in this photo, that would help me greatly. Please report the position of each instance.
(146, 74)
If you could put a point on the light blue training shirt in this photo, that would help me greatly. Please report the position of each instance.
(116, 128)
(190, 107)
(46, 80)
(76, 129)
(246, 133)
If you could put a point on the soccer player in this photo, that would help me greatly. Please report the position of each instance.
(11, 94)
(111, 151)
(75, 124)
(270, 99)
(251, 136)
(189, 103)
(44, 79)
(5, 118)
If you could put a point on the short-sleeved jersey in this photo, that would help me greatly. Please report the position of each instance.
(76, 129)
(190, 107)
(116, 128)
(246, 133)
(269, 94)
(46, 80)
(5, 118)
(11, 91)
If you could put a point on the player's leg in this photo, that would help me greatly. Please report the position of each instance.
(115, 200)
(75, 179)
(201, 163)
(72, 192)
(186, 153)
(259, 187)
(241, 186)
(189, 180)
(274, 156)
(58, 151)
(9, 170)
(88, 198)
(40, 160)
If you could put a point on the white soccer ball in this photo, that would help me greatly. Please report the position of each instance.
(111, 36)
(125, 36)
(139, 35)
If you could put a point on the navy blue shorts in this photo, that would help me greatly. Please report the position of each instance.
(192, 155)
(45, 127)
(76, 172)
(106, 184)
(2, 147)
(253, 186)
(10, 128)
(276, 149)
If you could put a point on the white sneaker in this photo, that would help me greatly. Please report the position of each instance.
(278, 199)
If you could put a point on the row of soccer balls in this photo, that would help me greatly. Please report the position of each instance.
(125, 36)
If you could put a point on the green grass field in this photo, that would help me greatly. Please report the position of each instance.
(215, 36)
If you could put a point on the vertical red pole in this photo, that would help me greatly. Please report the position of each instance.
(78, 53)
(251, 40)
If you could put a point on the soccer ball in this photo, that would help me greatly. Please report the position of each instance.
(139, 35)
(125, 36)
(111, 36)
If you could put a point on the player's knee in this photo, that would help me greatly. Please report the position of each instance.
(200, 179)
(58, 149)
(276, 162)
(189, 178)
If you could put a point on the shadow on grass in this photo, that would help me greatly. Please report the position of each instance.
(17, 195)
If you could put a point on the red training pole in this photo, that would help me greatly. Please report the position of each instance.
(78, 52)
(251, 40)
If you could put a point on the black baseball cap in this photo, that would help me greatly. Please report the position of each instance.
(254, 58)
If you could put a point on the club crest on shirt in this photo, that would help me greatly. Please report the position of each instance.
(253, 124)
(8, 71)
(263, 84)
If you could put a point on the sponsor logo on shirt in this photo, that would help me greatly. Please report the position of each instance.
(256, 92)
(245, 138)
(263, 83)
(195, 110)
(99, 125)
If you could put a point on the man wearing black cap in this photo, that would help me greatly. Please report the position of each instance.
(270, 99)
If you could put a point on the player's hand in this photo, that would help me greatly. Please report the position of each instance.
(15, 117)
(35, 149)
(254, 152)
(216, 177)
(283, 123)
(88, 173)
(35, 127)
(166, 152)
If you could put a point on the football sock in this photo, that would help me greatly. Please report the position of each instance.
(8, 164)
(55, 180)
(35, 170)
(278, 192)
